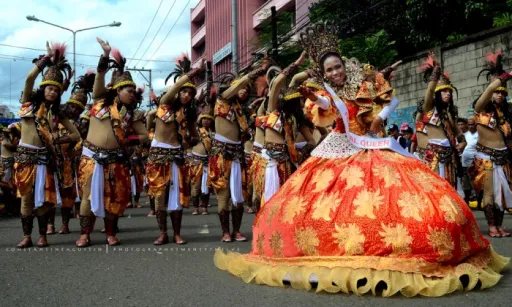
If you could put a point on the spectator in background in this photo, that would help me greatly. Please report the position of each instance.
(407, 134)
(393, 132)
(468, 155)
(462, 123)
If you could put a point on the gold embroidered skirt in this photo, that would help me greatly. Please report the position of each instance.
(373, 215)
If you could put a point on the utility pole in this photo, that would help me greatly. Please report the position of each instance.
(140, 70)
(234, 32)
(274, 33)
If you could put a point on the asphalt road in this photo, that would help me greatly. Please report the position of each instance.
(139, 274)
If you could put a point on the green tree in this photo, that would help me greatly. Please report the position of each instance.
(414, 25)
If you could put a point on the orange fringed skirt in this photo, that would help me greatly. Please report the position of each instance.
(371, 215)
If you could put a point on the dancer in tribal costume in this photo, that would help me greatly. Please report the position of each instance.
(445, 140)
(363, 220)
(198, 169)
(103, 173)
(175, 131)
(67, 168)
(420, 136)
(10, 140)
(36, 160)
(150, 125)
(254, 161)
(225, 165)
(490, 171)
(285, 118)
(137, 168)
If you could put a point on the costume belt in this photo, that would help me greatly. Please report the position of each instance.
(229, 151)
(32, 156)
(200, 159)
(7, 162)
(160, 155)
(257, 149)
(277, 152)
(498, 156)
(105, 156)
(445, 154)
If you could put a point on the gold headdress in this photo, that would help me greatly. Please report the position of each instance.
(183, 66)
(82, 88)
(444, 80)
(120, 77)
(291, 93)
(494, 69)
(444, 83)
(319, 40)
(59, 71)
(206, 112)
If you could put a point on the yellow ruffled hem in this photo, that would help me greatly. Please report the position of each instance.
(362, 281)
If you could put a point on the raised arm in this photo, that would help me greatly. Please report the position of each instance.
(431, 87)
(280, 81)
(168, 97)
(42, 62)
(486, 97)
(250, 77)
(99, 89)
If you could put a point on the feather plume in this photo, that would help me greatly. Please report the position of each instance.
(59, 51)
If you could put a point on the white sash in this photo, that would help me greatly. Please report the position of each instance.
(365, 142)
(174, 186)
(39, 185)
(235, 179)
(97, 185)
(501, 189)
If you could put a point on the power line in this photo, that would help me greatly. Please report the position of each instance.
(156, 34)
(147, 31)
(81, 54)
(186, 5)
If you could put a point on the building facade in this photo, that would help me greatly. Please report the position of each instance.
(212, 33)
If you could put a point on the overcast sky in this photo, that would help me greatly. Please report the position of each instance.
(135, 16)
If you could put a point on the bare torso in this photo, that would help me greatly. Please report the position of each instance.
(166, 132)
(29, 133)
(492, 138)
(101, 134)
(227, 129)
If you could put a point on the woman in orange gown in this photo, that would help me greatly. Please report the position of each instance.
(361, 220)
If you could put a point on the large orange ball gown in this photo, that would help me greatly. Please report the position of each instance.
(360, 220)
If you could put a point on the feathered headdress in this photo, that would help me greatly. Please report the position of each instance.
(494, 69)
(444, 81)
(139, 95)
(59, 71)
(120, 77)
(183, 66)
(82, 89)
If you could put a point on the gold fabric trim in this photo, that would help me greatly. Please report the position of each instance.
(408, 276)
(120, 84)
(50, 82)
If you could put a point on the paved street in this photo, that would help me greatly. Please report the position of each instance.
(139, 274)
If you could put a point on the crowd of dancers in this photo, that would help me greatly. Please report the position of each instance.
(337, 201)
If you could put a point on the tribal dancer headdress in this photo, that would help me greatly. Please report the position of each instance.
(494, 69)
(120, 77)
(444, 80)
(59, 71)
(82, 89)
(319, 40)
(183, 66)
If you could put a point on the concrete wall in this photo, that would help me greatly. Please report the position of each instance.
(462, 60)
